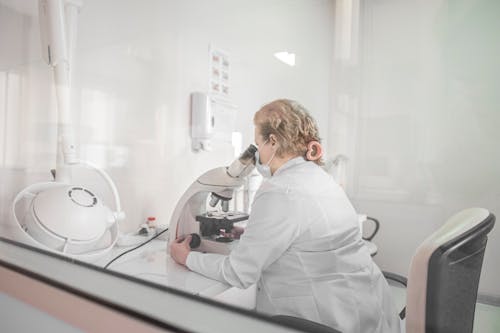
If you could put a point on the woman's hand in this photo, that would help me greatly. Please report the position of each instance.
(236, 232)
(179, 249)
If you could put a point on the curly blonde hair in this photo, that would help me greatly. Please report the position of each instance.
(290, 123)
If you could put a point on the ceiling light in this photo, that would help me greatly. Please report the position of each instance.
(285, 57)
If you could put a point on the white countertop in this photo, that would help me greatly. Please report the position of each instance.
(152, 263)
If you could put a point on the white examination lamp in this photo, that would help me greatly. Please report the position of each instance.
(59, 216)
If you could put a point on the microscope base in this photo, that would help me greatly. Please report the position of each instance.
(211, 246)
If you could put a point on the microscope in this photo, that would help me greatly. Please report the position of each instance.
(211, 230)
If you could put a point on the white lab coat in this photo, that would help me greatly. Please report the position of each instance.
(303, 248)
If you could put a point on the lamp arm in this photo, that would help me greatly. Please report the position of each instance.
(119, 214)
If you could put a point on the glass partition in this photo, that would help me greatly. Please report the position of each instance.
(74, 295)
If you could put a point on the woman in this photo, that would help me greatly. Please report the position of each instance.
(302, 244)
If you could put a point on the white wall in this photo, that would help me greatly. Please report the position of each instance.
(415, 107)
(421, 121)
(136, 64)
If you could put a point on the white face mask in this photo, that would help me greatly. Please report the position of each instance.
(263, 169)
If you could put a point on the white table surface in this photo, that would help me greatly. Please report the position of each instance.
(152, 263)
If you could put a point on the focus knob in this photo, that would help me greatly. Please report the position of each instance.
(195, 241)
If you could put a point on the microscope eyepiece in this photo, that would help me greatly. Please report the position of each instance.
(248, 155)
(244, 164)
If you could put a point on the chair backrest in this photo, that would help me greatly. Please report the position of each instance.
(444, 274)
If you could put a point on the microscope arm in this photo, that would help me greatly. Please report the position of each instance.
(220, 181)
(193, 201)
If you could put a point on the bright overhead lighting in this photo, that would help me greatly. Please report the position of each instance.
(285, 57)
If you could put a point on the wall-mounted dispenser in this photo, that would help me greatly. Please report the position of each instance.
(202, 121)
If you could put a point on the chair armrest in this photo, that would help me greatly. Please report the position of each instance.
(377, 226)
(400, 279)
(395, 277)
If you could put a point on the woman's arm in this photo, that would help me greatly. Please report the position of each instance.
(271, 229)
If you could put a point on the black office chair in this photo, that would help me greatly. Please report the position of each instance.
(444, 275)
(368, 238)
(376, 227)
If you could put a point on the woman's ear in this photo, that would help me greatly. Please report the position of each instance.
(272, 140)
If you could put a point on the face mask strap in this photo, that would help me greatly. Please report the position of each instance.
(271, 159)
(272, 156)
